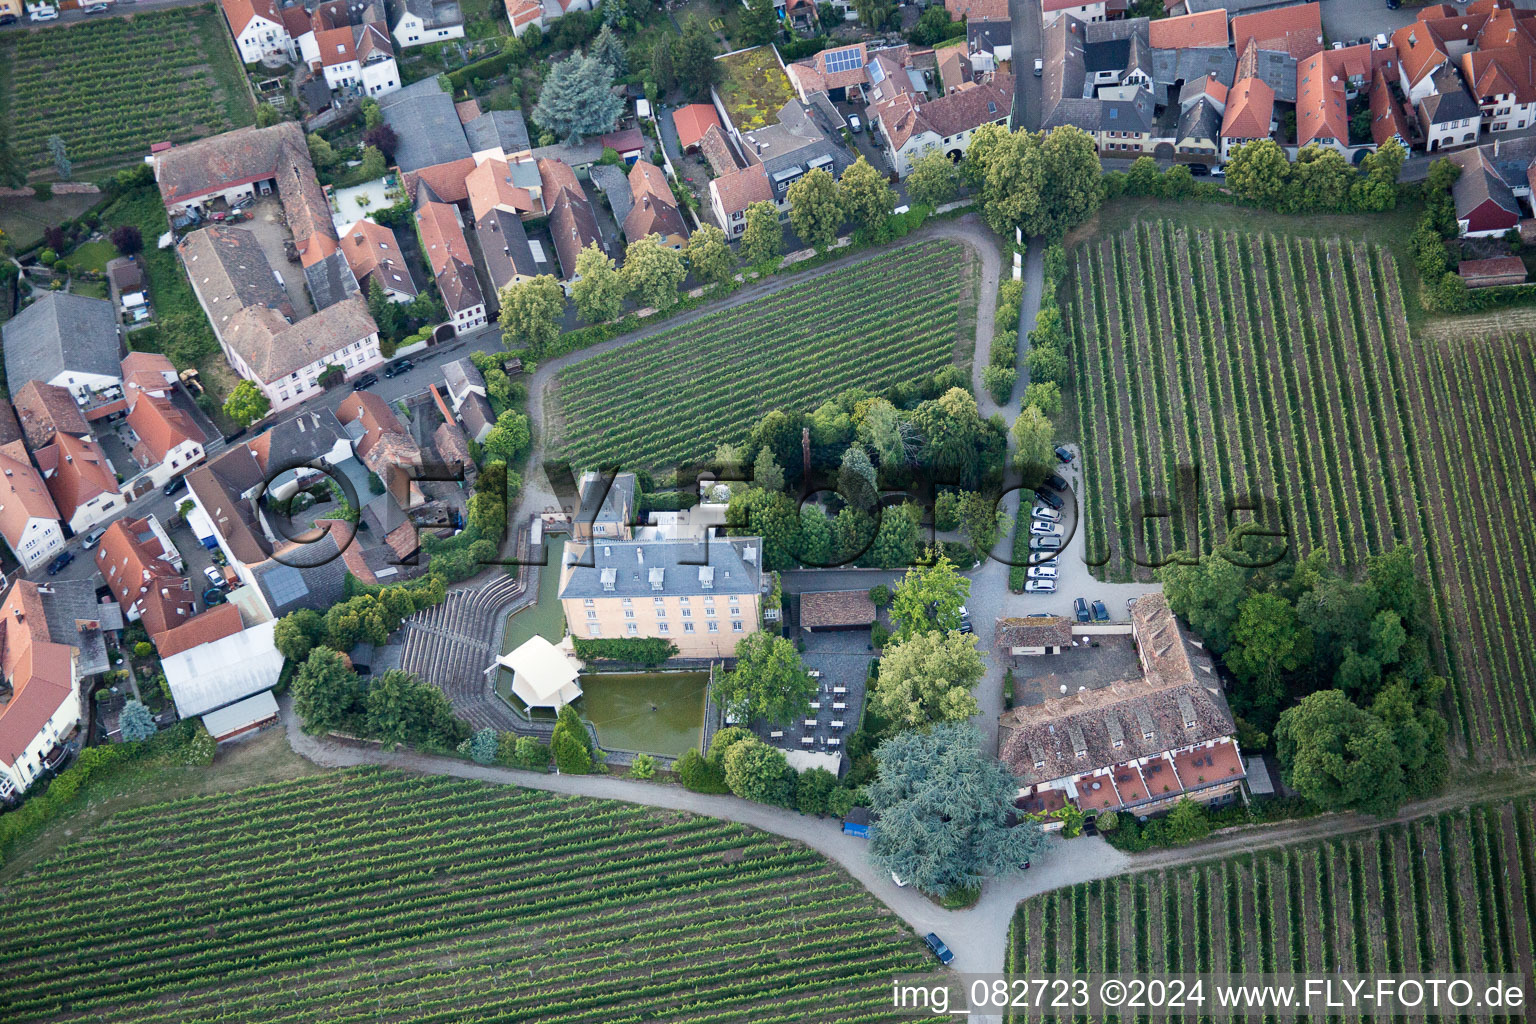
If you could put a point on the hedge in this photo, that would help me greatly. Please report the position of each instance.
(651, 651)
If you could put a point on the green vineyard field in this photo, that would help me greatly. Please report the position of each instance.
(112, 87)
(369, 895)
(1284, 369)
(1454, 893)
(680, 393)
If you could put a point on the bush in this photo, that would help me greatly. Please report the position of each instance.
(516, 751)
(143, 649)
(999, 382)
(484, 746)
(1108, 821)
(813, 789)
(199, 747)
(697, 773)
(880, 595)
(644, 767)
(571, 743)
(962, 897)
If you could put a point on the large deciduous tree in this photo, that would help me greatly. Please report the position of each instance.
(653, 271)
(763, 237)
(1259, 173)
(1041, 183)
(934, 178)
(929, 598)
(944, 809)
(867, 199)
(1340, 756)
(298, 633)
(709, 257)
(1033, 439)
(928, 678)
(246, 404)
(577, 99)
(598, 292)
(768, 683)
(815, 208)
(327, 694)
(531, 312)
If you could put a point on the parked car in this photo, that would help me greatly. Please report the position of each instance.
(1046, 515)
(939, 949)
(44, 14)
(364, 382)
(1393, 5)
(7, 19)
(1039, 67)
(1056, 483)
(213, 596)
(214, 576)
(1081, 607)
(395, 369)
(93, 538)
(854, 124)
(1100, 613)
(1039, 586)
(1063, 454)
(96, 9)
(60, 560)
(243, 201)
(1050, 500)
(1043, 529)
(176, 486)
(965, 621)
(1199, 170)
(1042, 572)
(1045, 543)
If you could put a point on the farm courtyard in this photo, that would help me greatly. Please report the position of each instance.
(112, 87)
(371, 894)
(1277, 373)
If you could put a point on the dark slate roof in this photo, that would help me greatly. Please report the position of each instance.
(613, 182)
(436, 13)
(315, 93)
(615, 498)
(476, 414)
(302, 439)
(69, 603)
(504, 128)
(1107, 55)
(987, 36)
(10, 426)
(504, 247)
(315, 577)
(634, 566)
(1450, 103)
(1193, 64)
(330, 280)
(1277, 70)
(573, 227)
(427, 125)
(1479, 183)
(1200, 121)
(61, 332)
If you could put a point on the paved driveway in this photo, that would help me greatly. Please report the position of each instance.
(1363, 19)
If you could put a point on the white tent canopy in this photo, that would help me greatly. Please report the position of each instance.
(212, 675)
(543, 675)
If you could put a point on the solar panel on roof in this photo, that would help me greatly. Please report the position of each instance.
(845, 60)
(286, 584)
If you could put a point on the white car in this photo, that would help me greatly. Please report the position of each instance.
(1048, 515)
(854, 124)
(1042, 572)
(1040, 587)
(44, 14)
(1042, 529)
(214, 576)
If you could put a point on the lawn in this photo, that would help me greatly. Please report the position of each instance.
(1440, 895)
(1283, 367)
(368, 894)
(754, 87)
(111, 87)
(680, 393)
(23, 220)
(92, 256)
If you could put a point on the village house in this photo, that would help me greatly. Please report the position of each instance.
(143, 570)
(572, 221)
(441, 231)
(912, 126)
(524, 14)
(72, 341)
(1137, 744)
(50, 643)
(80, 479)
(419, 22)
(774, 158)
(29, 520)
(653, 209)
(258, 29)
(383, 444)
(374, 256)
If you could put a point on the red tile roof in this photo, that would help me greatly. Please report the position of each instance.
(216, 623)
(449, 181)
(490, 185)
(1498, 266)
(693, 121)
(740, 189)
(161, 426)
(75, 471)
(44, 409)
(1388, 119)
(147, 371)
(137, 571)
(1250, 109)
(1207, 28)
(1297, 30)
(442, 237)
(23, 495)
(372, 250)
(239, 13)
(40, 672)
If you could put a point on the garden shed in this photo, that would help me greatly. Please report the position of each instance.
(836, 609)
(242, 717)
